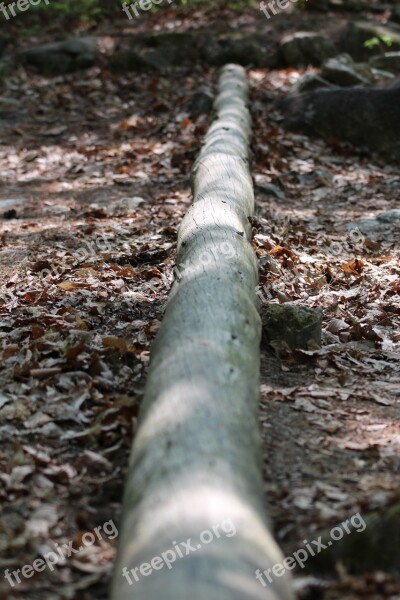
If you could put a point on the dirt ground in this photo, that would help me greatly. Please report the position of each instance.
(94, 183)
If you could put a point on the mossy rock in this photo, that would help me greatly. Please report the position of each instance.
(343, 114)
(293, 325)
(63, 57)
(4, 41)
(158, 52)
(377, 547)
(357, 33)
(306, 48)
(344, 72)
(395, 15)
(125, 61)
(5, 69)
(171, 49)
(241, 48)
(390, 61)
(163, 50)
(309, 82)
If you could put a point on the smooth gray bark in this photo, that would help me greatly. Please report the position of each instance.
(196, 460)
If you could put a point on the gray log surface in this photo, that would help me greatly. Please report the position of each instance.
(196, 460)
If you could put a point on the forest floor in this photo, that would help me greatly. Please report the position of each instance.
(95, 181)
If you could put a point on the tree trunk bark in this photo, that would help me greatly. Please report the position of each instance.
(194, 486)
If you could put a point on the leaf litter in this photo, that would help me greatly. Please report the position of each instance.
(94, 197)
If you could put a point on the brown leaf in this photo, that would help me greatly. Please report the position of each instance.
(133, 121)
(282, 251)
(80, 324)
(150, 273)
(86, 272)
(127, 272)
(10, 351)
(353, 267)
(37, 331)
(185, 123)
(337, 325)
(115, 342)
(69, 285)
(41, 265)
(73, 352)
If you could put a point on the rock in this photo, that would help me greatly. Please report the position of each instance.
(367, 118)
(10, 214)
(125, 205)
(357, 550)
(317, 178)
(395, 14)
(5, 68)
(125, 61)
(170, 49)
(310, 82)
(356, 33)
(306, 48)
(296, 326)
(242, 48)
(164, 50)
(4, 41)
(390, 61)
(62, 57)
(392, 185)
(344, 72)
(385, 78)
(270, 189)
(11, 117)
(390, 216)
(201, 103)
(379, 224)
(366, 226)
(158, 52)
(12, 202)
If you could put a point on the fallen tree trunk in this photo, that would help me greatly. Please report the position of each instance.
(369, 119)
(193, 523)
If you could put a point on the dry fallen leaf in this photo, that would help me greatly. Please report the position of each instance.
(336, 325)
(353, 267)
(69, 285)
(115, 342)
(282, 251)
